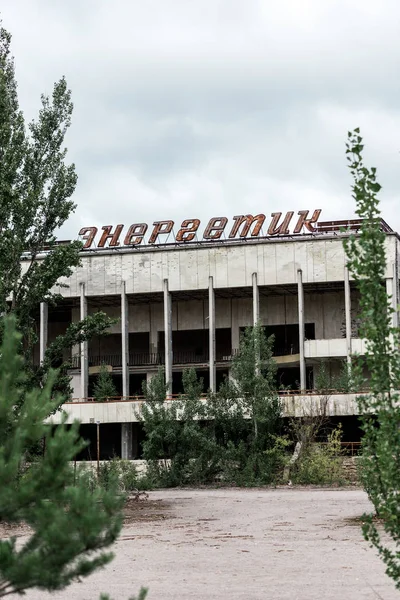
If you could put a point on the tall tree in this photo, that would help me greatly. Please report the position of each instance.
(70, 522)
(254, 382)
(36, 186)
(380, 409)
(247, 412)
(179, 446)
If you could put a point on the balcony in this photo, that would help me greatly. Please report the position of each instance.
(146, 359)
(127, 410)
(286, 349)
(332, 348)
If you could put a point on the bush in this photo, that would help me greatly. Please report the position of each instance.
(321, 464)
(244, 469)
(125, 473)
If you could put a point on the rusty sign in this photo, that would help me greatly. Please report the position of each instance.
(243, 226)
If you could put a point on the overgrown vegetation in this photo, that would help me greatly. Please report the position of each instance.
(179, 445)
(319, 453)
(122, 473)
(321, 463)
(380, 409)
(247, 415)
(236, 436)
(104, 387)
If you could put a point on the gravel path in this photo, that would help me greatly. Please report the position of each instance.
(283, 544)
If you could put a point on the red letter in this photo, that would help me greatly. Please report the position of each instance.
(248, 220)
(215, 228)
(160, 228)
(138, 229)
(108, 235)
(90, 235)
(283, 228)
(304, 222)
(188, 227)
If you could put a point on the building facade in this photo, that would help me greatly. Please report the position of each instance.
(185, 304)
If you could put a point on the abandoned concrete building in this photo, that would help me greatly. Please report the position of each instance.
(185, 304)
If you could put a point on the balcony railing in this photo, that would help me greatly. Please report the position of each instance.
(142, 359)
(286, 350)
(310, 393)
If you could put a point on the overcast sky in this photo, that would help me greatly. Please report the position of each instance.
(203, 108)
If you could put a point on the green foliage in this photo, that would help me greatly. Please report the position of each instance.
(104, 387)
(247, 413)
(36, 186)
(241, 467)
(123, 472)
(321, 464)
(76, 333)
(313, 424)
(326, 383)
(69, 523)
(234, 437)
(380, 408)
(179, 444)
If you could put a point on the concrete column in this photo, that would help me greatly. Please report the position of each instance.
(76, 349)
(44, 325)
(126, 441)
(235, 333)
(125, 341)
(84, 347)
(395, 295)
(168, 336)
(347, 310)
(135, 443)
(211, 334)
(256, 300)
(153, 335)
(390, 290)
(300, 293)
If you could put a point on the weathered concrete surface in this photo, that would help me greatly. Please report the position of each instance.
(285, 544)
(128, 411)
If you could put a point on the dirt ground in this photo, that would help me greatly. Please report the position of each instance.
(280, 544)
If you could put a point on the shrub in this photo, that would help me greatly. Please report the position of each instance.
(321, 464)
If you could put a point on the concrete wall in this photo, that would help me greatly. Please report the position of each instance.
(128, 411)
(325, 310)
(189, 267)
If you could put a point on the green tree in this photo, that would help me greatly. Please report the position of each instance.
(379, 409)
(235, 435)
(104, 387)
(179, 443)
(36, 186)
(247, 412)
(71, 524)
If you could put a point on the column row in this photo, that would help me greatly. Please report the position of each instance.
(392, 290)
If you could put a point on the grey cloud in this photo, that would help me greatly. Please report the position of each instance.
(215, 107)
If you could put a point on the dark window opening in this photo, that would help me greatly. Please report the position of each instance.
(288, 378)
(136, 382)
(110, 441)
(286, 337)
(204, 374)
(117, 381)
(192, 346)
